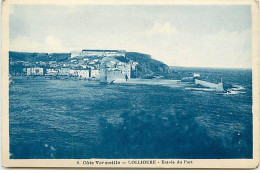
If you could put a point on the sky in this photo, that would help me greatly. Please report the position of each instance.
(177, 35)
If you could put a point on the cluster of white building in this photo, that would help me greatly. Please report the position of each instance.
(34, 71)
(113, 70)
(104, 67)
(113, 73)
(83, 73)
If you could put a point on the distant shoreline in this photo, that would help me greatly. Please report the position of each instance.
(220, 68)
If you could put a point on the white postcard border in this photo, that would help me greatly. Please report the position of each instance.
(128, 163)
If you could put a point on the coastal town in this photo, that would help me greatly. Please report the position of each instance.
(102, 65)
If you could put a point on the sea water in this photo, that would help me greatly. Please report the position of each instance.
(73, 119)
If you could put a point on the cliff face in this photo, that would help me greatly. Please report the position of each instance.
(147, 67)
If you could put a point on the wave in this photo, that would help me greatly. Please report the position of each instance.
(236, 87)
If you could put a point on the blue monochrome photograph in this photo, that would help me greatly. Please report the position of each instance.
(130, 81)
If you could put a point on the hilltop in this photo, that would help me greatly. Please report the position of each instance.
(35, 56)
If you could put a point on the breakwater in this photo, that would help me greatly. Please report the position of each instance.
(217, 87)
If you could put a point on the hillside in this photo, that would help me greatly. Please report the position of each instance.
(146, 68)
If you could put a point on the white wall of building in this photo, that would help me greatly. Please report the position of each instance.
(83, 73)
(51, 72)
(80, 73)
(64, 71)
(74, 54)
(125, 68)
(114, 75)
(92, 53)
(103, 53)
(35, 71)
(95, 73)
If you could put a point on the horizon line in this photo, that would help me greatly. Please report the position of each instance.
(248, 68)
(143, 53)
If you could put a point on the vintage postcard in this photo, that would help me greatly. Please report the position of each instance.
(130, 84)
